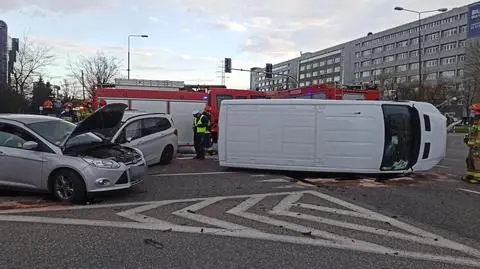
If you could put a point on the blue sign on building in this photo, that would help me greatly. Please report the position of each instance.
(473, 26)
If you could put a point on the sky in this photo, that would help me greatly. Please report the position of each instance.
(188, 39)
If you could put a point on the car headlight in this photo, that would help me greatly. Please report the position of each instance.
(110, 164)
(139, 152)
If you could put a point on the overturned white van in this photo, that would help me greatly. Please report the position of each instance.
(368, 137)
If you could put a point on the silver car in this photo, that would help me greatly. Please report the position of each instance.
(71, 161)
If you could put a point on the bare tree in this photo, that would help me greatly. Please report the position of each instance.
(437, 92)
(31, 60)
(471, 79)
(97, 69)
(70, 88)
(388, 83)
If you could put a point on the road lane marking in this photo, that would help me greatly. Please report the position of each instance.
(192, 174)
(455, 160)
(442, 166)
(191, 158)
(292, 186)
(336, 240)
(274, 180)
(467, 190)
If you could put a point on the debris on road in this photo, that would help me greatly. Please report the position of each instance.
(28, 204)
(153, 243)
(370, 182)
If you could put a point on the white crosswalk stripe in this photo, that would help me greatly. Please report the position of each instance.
(286, 206)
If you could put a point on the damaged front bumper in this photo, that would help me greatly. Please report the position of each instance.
(126, 176)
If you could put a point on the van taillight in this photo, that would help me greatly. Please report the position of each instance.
(175, 132)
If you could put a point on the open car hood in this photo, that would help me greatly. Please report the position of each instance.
(107, 116)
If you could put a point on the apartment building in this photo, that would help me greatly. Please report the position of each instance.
(392, 53)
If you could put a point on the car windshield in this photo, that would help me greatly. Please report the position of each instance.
(58, 131)
(400, 137)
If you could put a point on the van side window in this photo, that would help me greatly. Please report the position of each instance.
(132, 131)
(155, 125)
(426, 119)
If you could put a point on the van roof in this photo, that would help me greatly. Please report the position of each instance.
(128, 114)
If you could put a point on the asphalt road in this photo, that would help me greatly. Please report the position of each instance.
(193, 214)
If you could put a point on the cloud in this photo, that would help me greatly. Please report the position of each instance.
(278, 28)
(230, 25)
(149, 63)
(154, 19)
(186, 57)
(58, 6)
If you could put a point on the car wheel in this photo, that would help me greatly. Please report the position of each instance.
(68, 186)
(167, 155)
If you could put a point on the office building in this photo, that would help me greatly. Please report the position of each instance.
(3, 52)
(393, 53)
(285, 76)
(13, 47)
(325, 66)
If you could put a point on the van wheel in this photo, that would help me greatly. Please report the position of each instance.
(68, 186)
(167, 155)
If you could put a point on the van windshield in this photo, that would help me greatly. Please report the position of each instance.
(402, 137)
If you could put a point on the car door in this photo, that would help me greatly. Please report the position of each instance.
(20, 167)
(154, 140)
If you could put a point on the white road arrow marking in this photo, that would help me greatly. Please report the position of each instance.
(423, 237)
(326, 239)
(187, 213)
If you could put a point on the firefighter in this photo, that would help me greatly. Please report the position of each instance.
(208, 135)
(472, 140)
(86, 110)
(200, 123)
(47, 107)
(68, 113)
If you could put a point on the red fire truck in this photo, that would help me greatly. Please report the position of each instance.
(179, 103)
(326, 91)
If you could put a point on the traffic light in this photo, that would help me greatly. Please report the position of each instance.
(268, 71)
(228, 65)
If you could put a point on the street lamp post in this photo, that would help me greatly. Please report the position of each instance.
(420, 37)
(128, 55)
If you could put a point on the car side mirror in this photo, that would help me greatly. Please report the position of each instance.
(29, 145)
(129, 139)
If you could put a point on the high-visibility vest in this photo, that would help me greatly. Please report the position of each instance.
(200, 130)
(474, 136)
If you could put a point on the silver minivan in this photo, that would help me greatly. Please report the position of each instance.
(152, 133)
